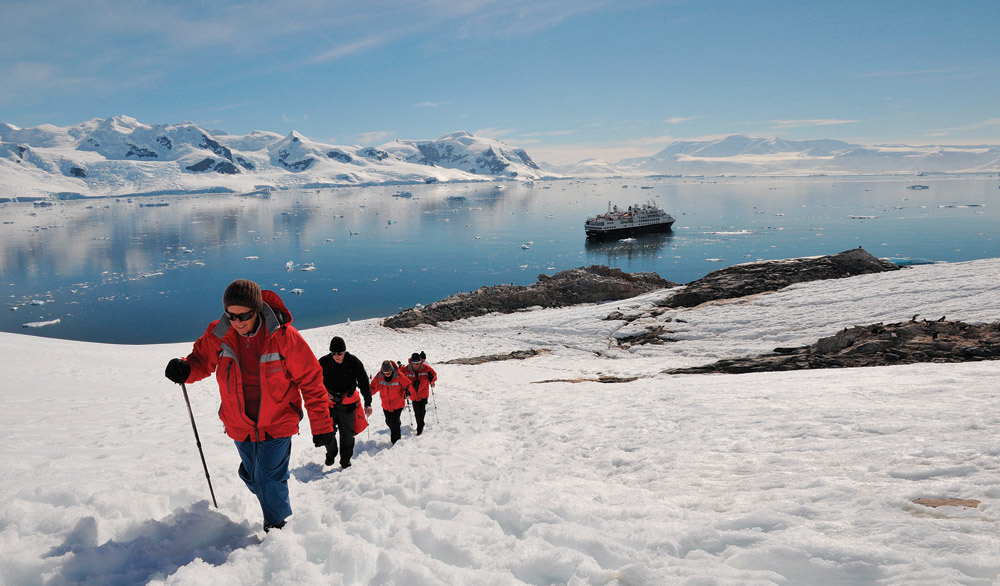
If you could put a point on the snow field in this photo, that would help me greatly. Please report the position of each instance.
(775, 478)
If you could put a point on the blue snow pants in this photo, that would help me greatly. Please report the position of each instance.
(264, 469)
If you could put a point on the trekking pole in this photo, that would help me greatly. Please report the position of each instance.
(197, 440)
(434, 399)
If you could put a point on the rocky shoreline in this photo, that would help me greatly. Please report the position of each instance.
(764, 276)
(581, 285)
(879, 344)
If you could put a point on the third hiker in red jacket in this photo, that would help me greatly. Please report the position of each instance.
(394, 388)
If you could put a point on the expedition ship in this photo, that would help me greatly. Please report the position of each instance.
(637, 219)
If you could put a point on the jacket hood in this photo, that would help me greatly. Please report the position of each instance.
(272, 300)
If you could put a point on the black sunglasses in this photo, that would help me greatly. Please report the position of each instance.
(241, 316)
(338, 353)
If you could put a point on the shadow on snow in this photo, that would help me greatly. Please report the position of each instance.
(150, 550)
(316, 471)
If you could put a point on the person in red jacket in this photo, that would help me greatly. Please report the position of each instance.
(265, 370)
(394, 388)
(423, 377)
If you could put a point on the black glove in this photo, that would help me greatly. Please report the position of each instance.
(178, 370)
(323, 439)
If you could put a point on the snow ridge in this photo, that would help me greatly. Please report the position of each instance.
(122, 156)
(745, 155)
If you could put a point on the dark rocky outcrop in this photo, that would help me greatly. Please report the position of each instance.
(515, 355)
(760, 277)
(580, 285)
(140, 152)
(202, 165)
(874, 345)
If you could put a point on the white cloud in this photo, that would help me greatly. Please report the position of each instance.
(377, 137)
(811, 122)
(989, 123)
(493, 132)
(681, 119)
(549, 133)
(431, 104)
(349, 49)
(914, 73)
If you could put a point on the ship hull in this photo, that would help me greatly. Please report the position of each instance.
(626, 231)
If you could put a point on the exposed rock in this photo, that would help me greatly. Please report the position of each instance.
(759, 277)
(202, 165)
(874, 345)
(948, 502)
(516, 355)
(607, 379)
(580, 285)
(141, 152)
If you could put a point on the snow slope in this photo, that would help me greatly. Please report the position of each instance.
(122, 156)
(777, 478)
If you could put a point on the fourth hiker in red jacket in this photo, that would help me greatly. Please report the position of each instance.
(423, 377)
(394, 387)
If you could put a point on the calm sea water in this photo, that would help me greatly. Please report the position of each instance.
(152, 270)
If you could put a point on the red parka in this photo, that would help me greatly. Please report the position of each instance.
(391, 389)
(422, 378)
(289, 375)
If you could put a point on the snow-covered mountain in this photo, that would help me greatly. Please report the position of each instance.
(743, 155)
(120, 155)
(461, 150)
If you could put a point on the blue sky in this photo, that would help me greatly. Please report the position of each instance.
(565, 79)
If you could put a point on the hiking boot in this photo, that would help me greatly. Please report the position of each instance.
(331, 458)
(269, 526)
(345, 464)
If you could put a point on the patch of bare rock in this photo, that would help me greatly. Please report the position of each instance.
(760, 277)
(874, 345)
(580, 285)
(516, 355)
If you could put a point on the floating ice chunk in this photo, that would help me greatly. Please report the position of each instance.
(289, 265)
(715, 260)
(38, 302)
(296, 291)
(308, 267)
(41, 324)
(251, 258)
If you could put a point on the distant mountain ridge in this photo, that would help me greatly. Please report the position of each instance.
(745, 155)
(122, 156)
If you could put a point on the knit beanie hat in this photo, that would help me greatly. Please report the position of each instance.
(337, 344)
(387, 367)
(245, 293)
